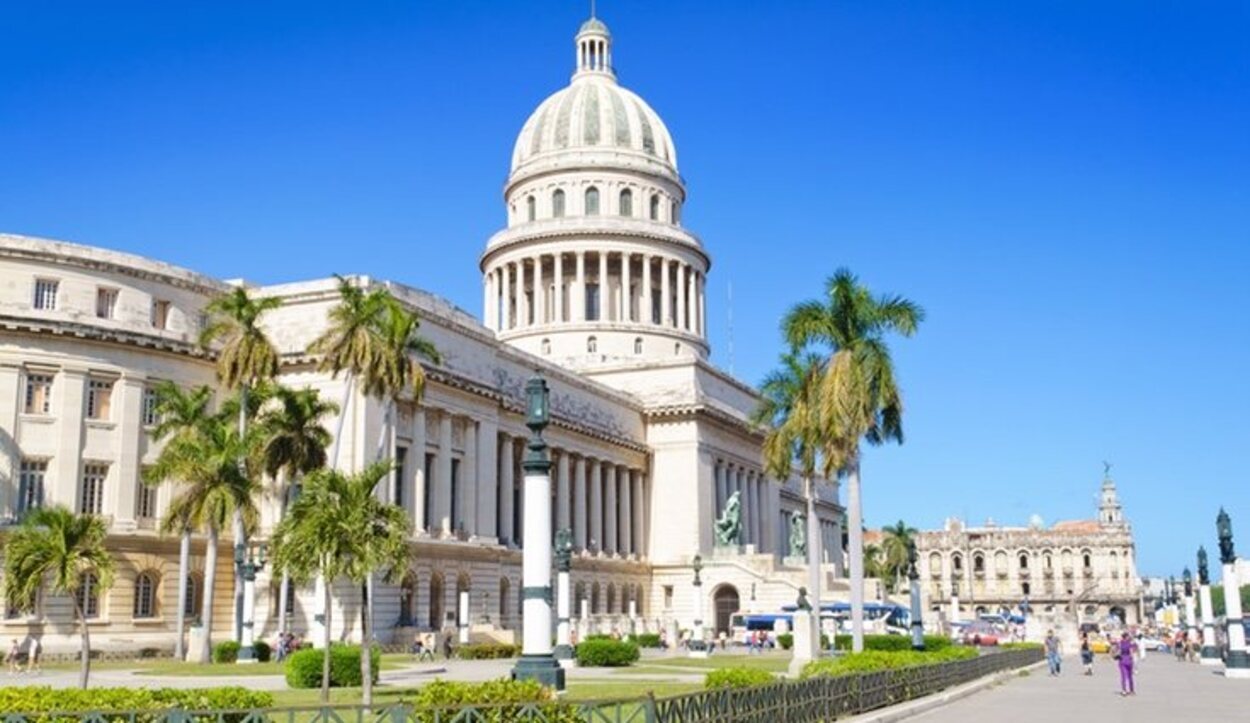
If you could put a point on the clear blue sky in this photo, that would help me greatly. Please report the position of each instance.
(1063, 185)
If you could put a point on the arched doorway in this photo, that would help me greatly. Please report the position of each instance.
(1118, 613)
(725, 602)
(408, 600)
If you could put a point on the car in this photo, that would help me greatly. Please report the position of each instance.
(1099, 644)
(1155, 644)
(981, 633)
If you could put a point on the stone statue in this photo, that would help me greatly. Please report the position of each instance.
(1204, 573)
(1106, 470)
(564, 549)
(729, 526)
(798, 536)
(1224, 526)
(802, 603)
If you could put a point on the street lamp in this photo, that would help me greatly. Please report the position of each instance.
(698, 638)
(249, 560)
(1238, 663)
(1191, 622)
(564, 564)
(913, 577)
(537, 661)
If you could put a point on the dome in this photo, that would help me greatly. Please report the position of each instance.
(594, 25)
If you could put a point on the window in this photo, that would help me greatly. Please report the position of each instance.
(99, 398)
(145, 502)
(592, 302)
(655, 207)
(592, 345)
(88, 595)
(957, 563)
(546, 346)
(150, 417)
(30, 484)
(668, 597)
(1024, 562)
(978, 563)
(191, 605)
(276, 591)
(531, 208)
(160, 314)
(674, 214)
(145, 596)
(1089, 562)
(45, 294)
(592, 201)
(627, 203)
(557, 204)
(105, 302)
(38, 393)
(92, 500)
(401, 475)
(638, 345)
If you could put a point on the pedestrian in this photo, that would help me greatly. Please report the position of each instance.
(11, 657)
(1087, 655)
(446, 647)
(1126, 649)
(1053, 649)
(33, 664)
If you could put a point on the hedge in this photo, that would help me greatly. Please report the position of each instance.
(786, 640)
(892, 642)
(737, 678)
(601, 653)
(226, 652)
(303, 667)
(512, 700)
(153, 702)
(1020, 646)
(488, 651)
(872, 661)
(645, 640)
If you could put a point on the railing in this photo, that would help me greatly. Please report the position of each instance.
(814, 700)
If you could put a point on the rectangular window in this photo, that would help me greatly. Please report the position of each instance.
(150, 417)
(89, 595)
(38, 394)
(92, 500)
(105, 302)
(145, 502)
(668, 597)
(456, 521)
(99, 398)
(160, 314)
(45, 294)
(427, 493)
(400, 476)
(30, 484)
(592, 302)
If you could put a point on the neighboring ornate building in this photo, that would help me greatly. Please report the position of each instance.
(1083, 566)
(594, 282)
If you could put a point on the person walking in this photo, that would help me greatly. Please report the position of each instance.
(11, 658)
(1087, 655)
(1053, 652)
(1126, 647)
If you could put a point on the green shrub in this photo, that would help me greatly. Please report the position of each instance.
(303, 667)
(263, 651)
(1020, 646)
(892, 642)
(737, 678)
(151, 702)
(606, 653)
(514, 700)
(871, 661)
(646, 640)
(226, 652)
(488, 651)
(786, 640)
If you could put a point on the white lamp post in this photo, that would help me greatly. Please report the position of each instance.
(249, 561)
(1238, 663)
(564, 563)
(1210, 653)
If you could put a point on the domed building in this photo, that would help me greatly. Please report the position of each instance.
(593, 281)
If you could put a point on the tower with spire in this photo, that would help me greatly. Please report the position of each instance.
(1110, 513)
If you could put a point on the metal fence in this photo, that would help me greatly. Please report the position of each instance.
(792, 701)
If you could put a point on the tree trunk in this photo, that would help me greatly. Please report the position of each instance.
(366, 660)
(338, 429)
(855, 520)
(238, 527)
(286, 576)
(84, 671)
(325, 659)
(206, 612)
(813, 558)
(184, 562)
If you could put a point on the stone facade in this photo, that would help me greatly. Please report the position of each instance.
(649, 439)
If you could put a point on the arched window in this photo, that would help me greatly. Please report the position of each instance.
(655, 207)
(594, 599)
(557, 203)
(978, 563)
(627, 203)
(88, 595)
(546, 346)
(145, 595)
(531, 208)
(611, 598)
(407, 600)
(191, 605)
(592, 345)
(957, 563)
(638, 345)
(1024, 561)
(1088, 560)
(592, 201)
(674, 214)
(935, 565)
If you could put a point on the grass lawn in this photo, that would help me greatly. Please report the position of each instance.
(771, 663)
(390, 661)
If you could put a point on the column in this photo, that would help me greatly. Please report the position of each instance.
(65, 470)
(540, 293)
(563, 501)
(643, 502)
(468, 478)
(681, 296)
(666, 302)
(487, 283)
(719, 475)
(120, 499)
(596, 506)
(637, 515)
(487, 479)
(442, 499)
(505, 275)
(610, 545)
(558, 269)
(506, 460)
(417, 453)
(578, 307)
(627, 301)
(579, 503)
(745, 495)
(700, 293)
(605, 305)
(644, 313)
(11, 400)
(625, 524)
(522, 302)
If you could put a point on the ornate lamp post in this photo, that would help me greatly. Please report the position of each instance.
(536, 661)
(1210, 653)
(698, 638)
(1191, 618)
(1237, 665)
(249, 560)
(913, 577)
(564, 563)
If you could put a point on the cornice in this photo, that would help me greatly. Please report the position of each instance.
(64, 253)
(112, 336)
(600, 228)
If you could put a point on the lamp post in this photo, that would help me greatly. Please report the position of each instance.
(564, 563)
(536, 661)
(698, 637)
(1210, 654)
(249, 560)
(1237, 665)
(1191, 618)
(913, 577)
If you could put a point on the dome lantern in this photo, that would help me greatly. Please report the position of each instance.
(594, 48)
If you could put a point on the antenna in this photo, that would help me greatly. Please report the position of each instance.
(730, 308)
(592, 8)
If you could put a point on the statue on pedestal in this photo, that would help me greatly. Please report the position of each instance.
(729, 526)
(1224, 527)
(1204, 575)
(564, 549)
(802, 603)
(798, 536)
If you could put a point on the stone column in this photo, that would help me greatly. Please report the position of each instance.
(644, 313)
(1238, 663)
(681, 296)
(523, 301)
(747, 512)
(605, 304)
(579, 504)
(642, 502)
(563, 498)
(610, 544)
(627, 299)
(12, 400)
(468, 479)
(636, 510)
(626, 522)
(578, 307)
(700, 295)
(506, 483)
(540, 293)
(418, 460)
(488, 283)
(120, 501)
(505, 311)
(596, 505)
(65, 470)
(442, 498)
(666, 301)
(487, 490)
(558, 261)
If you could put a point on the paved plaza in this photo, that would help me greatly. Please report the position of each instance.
(1166, 691)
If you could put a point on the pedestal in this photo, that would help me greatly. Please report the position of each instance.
(462, 618)
(247, 638)
(806, 641)
(1238, 663)
(917, 626)
(698, 636)
(564, 641)
(1210, 654)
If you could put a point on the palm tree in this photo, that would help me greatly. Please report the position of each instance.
(56, 546)
(182, 415)
(216, 490)
(339, 528)
(789, 412)
(293, 445)
(247, 358)
(895, 547)
(875, 564)
(860, 398)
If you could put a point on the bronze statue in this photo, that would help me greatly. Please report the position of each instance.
(1204, 575)
(802, 603)
(729, 526)
(1224, 527)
